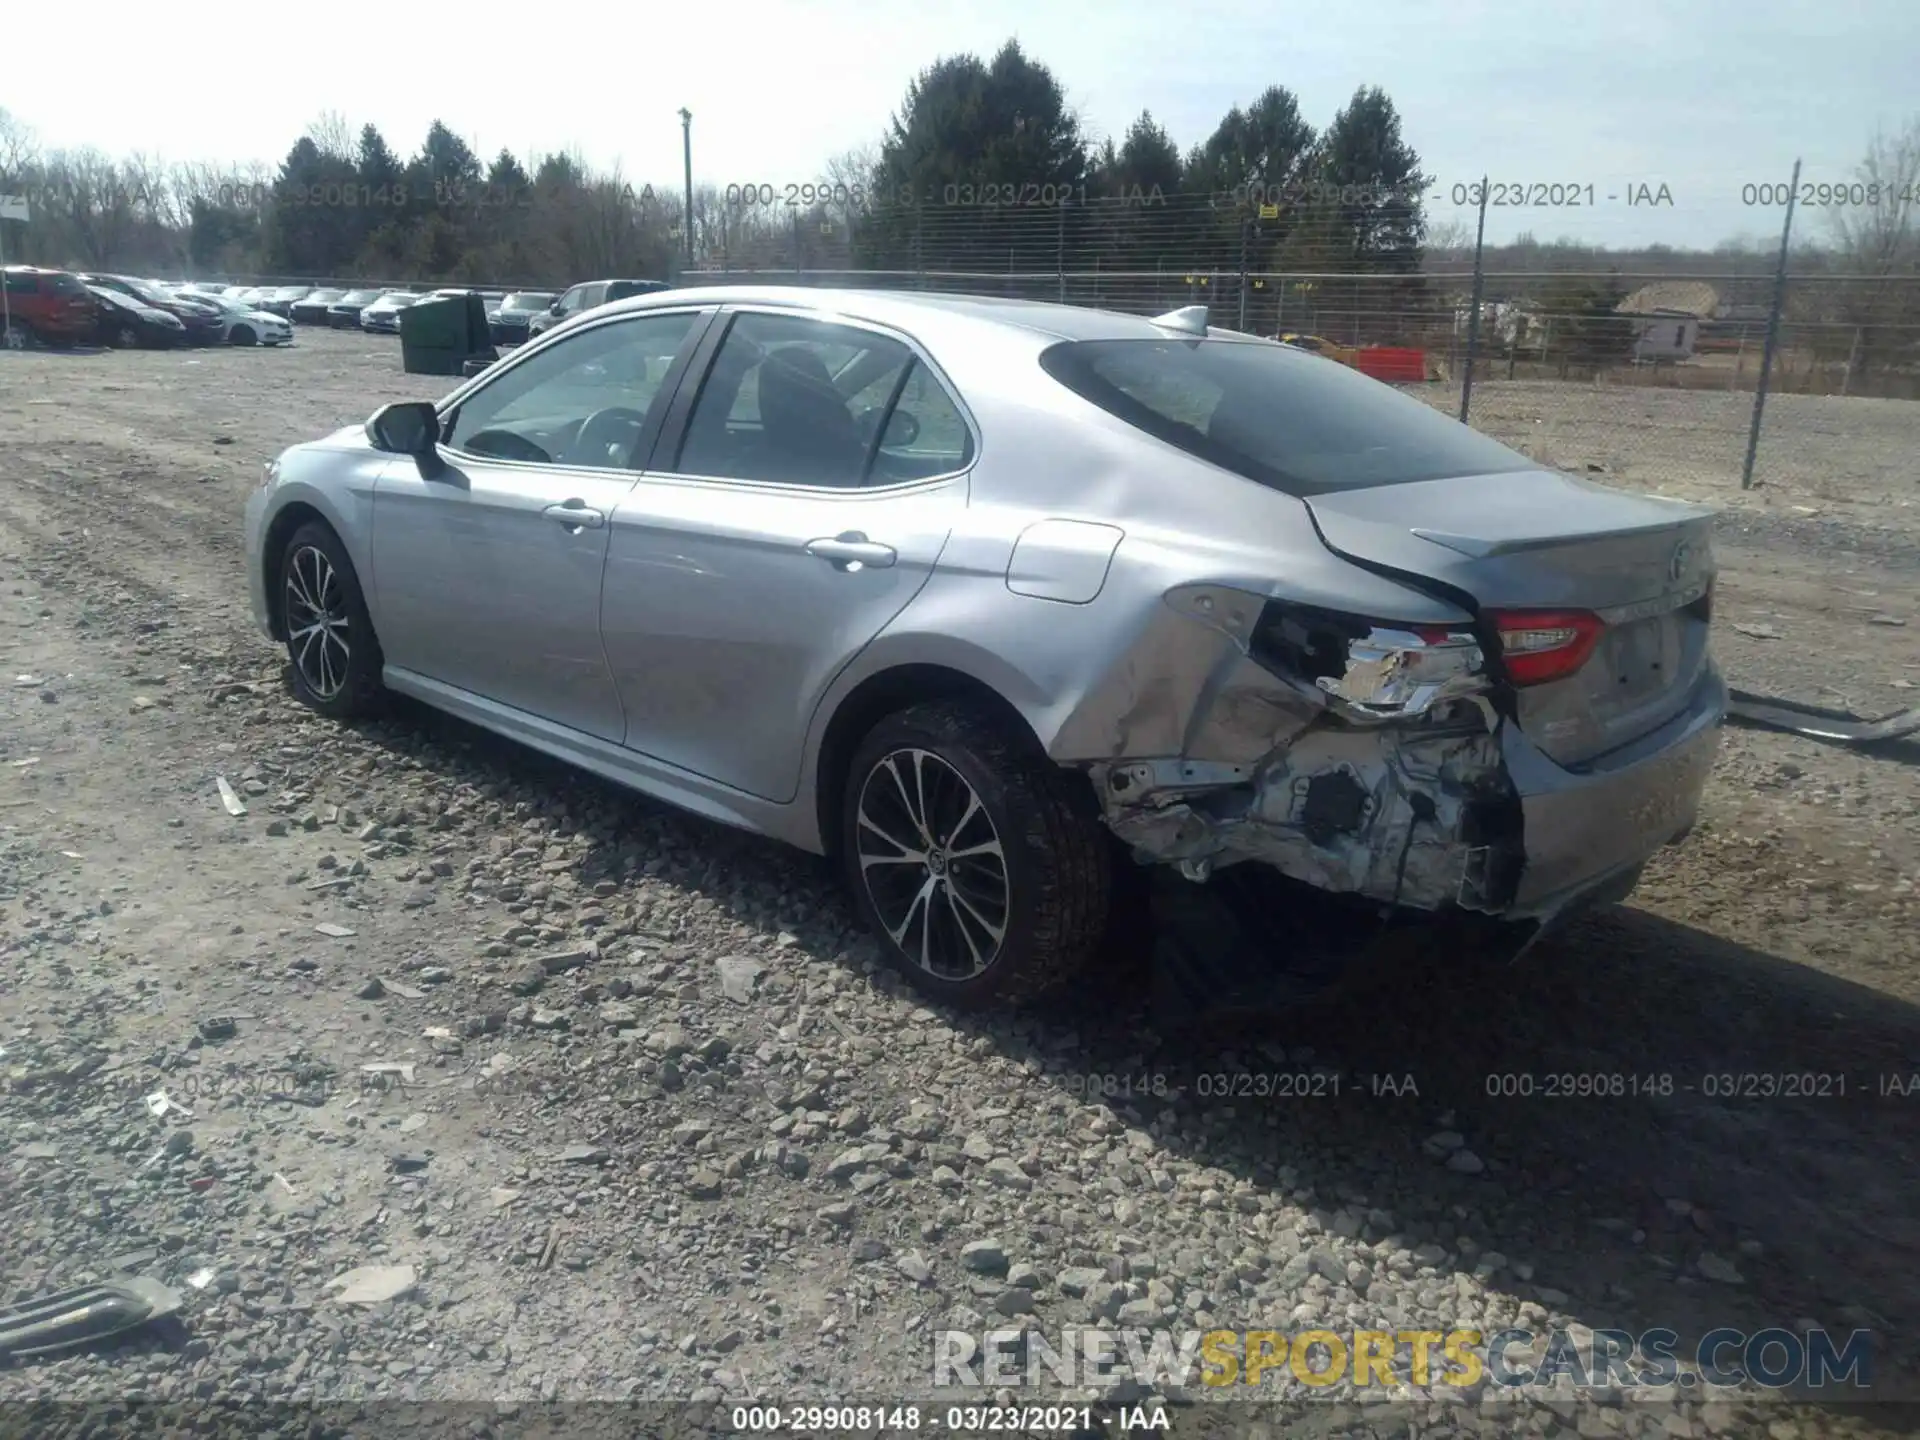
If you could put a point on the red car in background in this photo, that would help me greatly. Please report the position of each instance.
(46, 307)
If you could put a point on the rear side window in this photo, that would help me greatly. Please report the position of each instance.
(1294, 422)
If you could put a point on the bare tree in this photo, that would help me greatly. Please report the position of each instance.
(333, 136)
(18, 149)
(1874, 243)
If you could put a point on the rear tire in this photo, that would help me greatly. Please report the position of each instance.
(983, 874)
(335, 655)
(16, 335)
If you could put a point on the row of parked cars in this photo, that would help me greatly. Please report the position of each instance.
(61, 308)
(513, 317)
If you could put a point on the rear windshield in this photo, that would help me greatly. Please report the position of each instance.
(526, 300)
(1288, 420)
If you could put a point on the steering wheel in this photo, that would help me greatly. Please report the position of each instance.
(606, 436)
(508, 445)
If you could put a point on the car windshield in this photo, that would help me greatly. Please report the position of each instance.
(526, 300)
(359, 297)
(326, 297)
(1295, 422)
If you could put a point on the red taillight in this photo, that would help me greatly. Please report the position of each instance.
(1542, 645)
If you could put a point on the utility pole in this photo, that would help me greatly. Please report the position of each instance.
(686, 155)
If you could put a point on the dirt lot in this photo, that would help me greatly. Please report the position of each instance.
(781, 1158)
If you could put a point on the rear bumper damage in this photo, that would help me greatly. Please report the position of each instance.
(1420, 794)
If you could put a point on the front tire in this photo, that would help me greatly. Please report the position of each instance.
(335, 654)
(983, 874)
(243, 335)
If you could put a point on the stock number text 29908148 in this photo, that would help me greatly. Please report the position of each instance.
(907, 196)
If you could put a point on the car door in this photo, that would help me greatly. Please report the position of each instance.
(488, 567)
(792, 509)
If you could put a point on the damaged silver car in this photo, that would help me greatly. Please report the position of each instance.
(990, 600)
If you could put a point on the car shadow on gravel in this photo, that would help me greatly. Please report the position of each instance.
(1631, 1096)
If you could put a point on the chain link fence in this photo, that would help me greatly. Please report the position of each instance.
(1651, 373)
(1670, 371)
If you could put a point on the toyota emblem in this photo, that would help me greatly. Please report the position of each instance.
(1677, 566)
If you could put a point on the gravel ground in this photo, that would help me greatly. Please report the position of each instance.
(647, 1122)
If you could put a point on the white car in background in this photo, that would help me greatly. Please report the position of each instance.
(246, 325)
(383, 314)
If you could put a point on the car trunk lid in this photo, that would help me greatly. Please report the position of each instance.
(1537, 540)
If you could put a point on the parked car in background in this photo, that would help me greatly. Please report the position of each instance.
(203, 287)
(344, 313)
(129, 324)
(383, 315)
(280, 302)
(1217, 601)
(508, 324)
(198, 316)
(46, 307)
(311, 308)
(589, 296)
(242, 324)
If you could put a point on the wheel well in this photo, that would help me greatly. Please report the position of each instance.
(879, 696)
(273, 551)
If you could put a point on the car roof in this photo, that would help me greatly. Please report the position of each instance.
(1037, 317)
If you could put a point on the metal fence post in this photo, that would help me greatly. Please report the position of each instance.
(1060, 248)
(1773, 334)
(1245, 226)
(1473, 316)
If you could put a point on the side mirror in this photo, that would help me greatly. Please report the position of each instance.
(554, 308)
(407, 427)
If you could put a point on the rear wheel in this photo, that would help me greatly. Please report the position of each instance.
(330, 640)
(16, 335)
(982, 873)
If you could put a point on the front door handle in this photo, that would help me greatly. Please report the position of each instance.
(575, 515)
(851, 550)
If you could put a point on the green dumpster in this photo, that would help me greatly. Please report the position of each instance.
(438, 337)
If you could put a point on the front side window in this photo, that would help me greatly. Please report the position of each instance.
(581, 402)
(1271, 415)
(798, 401)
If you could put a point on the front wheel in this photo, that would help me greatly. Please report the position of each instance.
(982, 872)
(330, 640)
(243, 335)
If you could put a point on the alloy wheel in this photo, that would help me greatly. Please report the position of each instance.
(933, 864)
(317, 621)
(14, 338)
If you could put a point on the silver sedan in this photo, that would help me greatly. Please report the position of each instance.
(993, 600)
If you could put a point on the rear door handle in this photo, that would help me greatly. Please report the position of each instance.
(575, 515)
(850, 548)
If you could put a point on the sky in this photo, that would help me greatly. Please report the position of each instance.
(1704, 97)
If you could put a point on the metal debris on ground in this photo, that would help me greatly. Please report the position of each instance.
(75, 1317)
(235, 806)
(1817, 723)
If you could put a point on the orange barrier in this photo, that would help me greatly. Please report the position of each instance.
(1384, 362)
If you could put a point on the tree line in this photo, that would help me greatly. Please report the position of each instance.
(983, 170)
